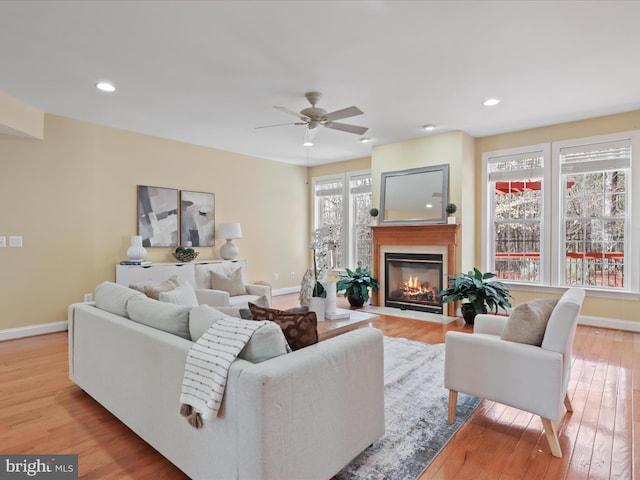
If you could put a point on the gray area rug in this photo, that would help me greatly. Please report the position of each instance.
(415, 414)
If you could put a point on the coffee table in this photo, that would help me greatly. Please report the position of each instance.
(331, 328)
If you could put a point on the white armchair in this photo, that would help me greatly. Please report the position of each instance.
(237, 294)
(528, 377)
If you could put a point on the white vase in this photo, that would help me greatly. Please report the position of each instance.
(136, 252)
(330, 300)
(316, 304)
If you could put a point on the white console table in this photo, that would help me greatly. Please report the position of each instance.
(159, 272)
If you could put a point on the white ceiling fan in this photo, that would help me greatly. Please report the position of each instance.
(314, 116)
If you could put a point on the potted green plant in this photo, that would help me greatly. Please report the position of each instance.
(480, 291)
(356, 285)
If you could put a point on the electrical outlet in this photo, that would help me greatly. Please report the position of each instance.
(3, 242)
(292, 274)
(276, 276)
(88, 297)
(15, 241)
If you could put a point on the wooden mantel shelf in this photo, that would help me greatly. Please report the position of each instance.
(430, 234)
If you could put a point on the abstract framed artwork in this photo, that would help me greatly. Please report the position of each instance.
(158, 216)
(197, 219)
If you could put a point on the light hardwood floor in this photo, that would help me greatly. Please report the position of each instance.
(41, 411)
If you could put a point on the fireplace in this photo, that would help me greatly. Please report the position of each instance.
(430, 239)
(412, 281)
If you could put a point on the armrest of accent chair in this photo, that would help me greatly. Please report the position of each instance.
(489, 324)
(515, 374)
(220, 298)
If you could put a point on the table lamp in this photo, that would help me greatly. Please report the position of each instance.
(229, 231)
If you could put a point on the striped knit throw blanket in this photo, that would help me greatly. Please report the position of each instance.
(208, 362)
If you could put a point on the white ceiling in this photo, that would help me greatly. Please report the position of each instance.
(209, 72)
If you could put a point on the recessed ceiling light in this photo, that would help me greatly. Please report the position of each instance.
(428, 205)
(105, 87)
(365, 140)
(490, 102)
(307, 144)
(429, 127)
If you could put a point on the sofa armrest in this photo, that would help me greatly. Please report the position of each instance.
(213, 298)
(308, 413)
(489, 324)
(519, 375)
(260, 290)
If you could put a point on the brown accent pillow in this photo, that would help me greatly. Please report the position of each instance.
(299, 328)
(152, 289)
(231, 283)
(528, 322)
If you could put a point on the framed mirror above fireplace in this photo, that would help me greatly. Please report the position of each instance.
(415, 196)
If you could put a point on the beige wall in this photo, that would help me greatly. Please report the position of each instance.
(453, 148)
(593, 306)
(72, 196)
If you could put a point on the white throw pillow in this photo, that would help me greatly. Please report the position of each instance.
(161, 315)
(266, 342)
(181, 295)
(113, 298)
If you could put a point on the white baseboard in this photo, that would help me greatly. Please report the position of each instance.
(285, 291)
(612, 323)
(31, 330)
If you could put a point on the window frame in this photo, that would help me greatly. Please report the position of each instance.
(554, 218)
(632, 238)
(488, 198)
(348, 223)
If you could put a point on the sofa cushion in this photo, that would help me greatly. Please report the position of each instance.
(528, 322)
(181, 295)
(266, 342)
(299, 328)
(153, 289)
(161, 315)
(113, 298)
(231, 282)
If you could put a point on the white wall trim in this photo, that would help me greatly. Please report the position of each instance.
(612, 323)
(285, 291)
(31, 330)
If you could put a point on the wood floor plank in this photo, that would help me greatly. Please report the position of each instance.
(41, 410)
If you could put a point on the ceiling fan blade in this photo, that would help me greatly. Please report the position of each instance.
(291, 112)
(281, 124)
(345, 127)
(344, 113)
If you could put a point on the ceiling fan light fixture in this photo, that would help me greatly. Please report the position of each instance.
(491, 102)
(308, 143)
(105, 87)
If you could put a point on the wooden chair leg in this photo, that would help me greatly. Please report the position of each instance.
(567, 403)
(453, 401)
(552, 437)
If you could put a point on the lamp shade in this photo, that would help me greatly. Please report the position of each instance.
(229, 230)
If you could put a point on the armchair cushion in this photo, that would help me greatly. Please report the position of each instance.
(299, 328)
(231, 282)
(528, 322)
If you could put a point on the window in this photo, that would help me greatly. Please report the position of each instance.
(341, 205)
(517, 206)
(594, 213)
(560, 214)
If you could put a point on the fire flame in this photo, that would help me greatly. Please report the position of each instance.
(414, 287)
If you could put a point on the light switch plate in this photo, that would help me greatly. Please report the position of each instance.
(3, 242)
(15, 241)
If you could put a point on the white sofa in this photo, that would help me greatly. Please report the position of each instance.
(299, 416)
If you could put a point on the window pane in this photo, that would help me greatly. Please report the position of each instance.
(361, 238)
(517, 228)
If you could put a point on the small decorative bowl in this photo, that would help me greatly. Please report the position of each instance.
(185, 257)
